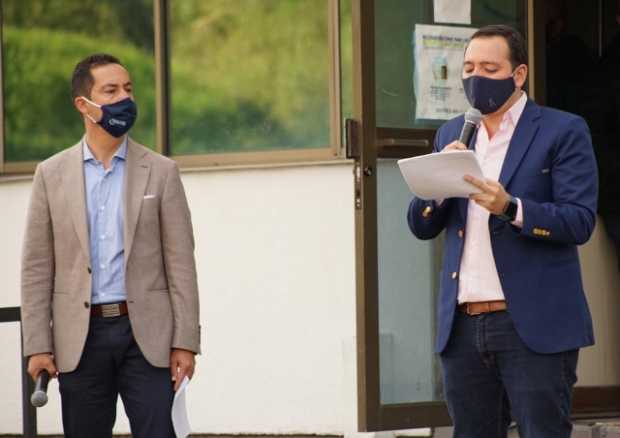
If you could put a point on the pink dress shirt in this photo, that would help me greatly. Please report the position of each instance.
(478, 279)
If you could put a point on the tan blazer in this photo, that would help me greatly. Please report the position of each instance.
(160, 272)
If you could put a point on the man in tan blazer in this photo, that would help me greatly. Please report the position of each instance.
(109, 292)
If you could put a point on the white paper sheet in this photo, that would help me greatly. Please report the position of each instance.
(450, 11)
(440, 175)
(180, 421)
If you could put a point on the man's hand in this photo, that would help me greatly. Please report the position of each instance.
(493, 197)
(182, 363)
(454, 146)
(40, 362)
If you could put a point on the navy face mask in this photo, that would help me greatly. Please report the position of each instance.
(488, 95)
(118, 117)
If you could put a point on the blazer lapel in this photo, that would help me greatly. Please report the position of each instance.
(75, 192)
(137, 171)
(522, 138)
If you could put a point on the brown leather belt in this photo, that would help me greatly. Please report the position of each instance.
(109, 310)
(482, 307)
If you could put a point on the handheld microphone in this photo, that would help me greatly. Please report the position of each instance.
(472, 121)
(39, 396)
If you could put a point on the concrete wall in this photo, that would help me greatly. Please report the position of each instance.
(276, 266)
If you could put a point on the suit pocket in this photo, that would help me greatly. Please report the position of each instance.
(159, 291)
(149, 210)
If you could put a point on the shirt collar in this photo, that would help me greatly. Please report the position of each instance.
(514, 113)
(120, 153)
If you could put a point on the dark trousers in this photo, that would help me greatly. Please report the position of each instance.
(490, 376)
(112, 364)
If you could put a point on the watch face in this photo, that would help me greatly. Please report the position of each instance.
(511, 211)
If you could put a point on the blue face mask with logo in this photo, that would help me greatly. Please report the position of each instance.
(488, 95)
(117, 118)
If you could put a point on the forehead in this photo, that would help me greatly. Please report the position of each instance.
(488, 49)
(109, 74)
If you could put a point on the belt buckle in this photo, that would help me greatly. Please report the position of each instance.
(110, 310)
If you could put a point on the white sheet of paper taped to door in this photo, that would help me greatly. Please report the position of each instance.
(440, 175)
(450, 11)
(180, 421)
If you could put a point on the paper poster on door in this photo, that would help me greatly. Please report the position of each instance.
(438, 64)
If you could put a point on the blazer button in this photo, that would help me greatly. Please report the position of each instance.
(86, 304)
(461, 234)
(90, 271)
(454, 275)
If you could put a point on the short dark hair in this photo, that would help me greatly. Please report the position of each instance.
(516, 42)
(82, 80)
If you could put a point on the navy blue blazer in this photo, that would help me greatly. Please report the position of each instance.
(550, 166)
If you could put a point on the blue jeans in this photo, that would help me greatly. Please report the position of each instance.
(490, 376)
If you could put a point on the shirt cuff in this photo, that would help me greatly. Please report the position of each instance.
(518, 222)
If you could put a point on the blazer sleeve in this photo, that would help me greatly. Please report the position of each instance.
(37, 272)
(178, 252)
(427, 219)
(571, 216)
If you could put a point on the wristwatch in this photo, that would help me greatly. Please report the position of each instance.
(510, 210)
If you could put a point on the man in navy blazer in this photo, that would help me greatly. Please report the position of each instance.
(512, 312)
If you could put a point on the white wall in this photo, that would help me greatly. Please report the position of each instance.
(276, 266)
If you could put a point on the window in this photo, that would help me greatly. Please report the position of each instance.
(216, 82)
(42, 41)
(250, 79)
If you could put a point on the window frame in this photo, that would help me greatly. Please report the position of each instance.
(334, 151)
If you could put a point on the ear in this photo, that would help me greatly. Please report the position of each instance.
(520, 75)
(81, 105)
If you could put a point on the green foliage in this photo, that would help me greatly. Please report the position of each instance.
(258, 71)
(40, 118)
(114, 20)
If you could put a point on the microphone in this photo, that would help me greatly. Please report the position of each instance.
(39, 396)
(472, 121)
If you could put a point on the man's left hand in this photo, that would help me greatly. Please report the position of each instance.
(493, 197)
(182, 363)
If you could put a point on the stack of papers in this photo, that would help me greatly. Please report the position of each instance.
(440, 175)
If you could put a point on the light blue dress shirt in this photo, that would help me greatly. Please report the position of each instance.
(104, 200)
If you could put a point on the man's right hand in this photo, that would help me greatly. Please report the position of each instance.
(40, 362)
(454, 146)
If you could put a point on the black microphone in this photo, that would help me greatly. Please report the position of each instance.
(472, 121)
(39, 396)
